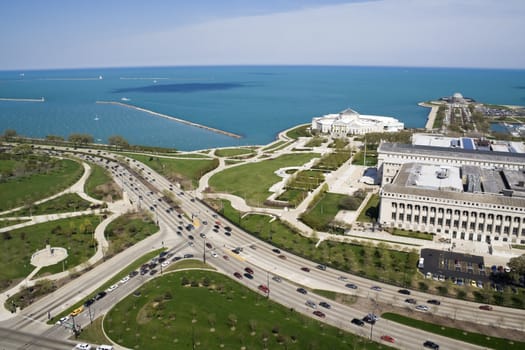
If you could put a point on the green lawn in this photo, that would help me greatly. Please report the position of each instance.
(127, 230)
(375, 262)
(371, 158)
(370, 212)
(186, 171)
(206, 310)
(5, 223)
(306, 180)
(300, 131)
(315, 142)
(293, 196)
(252, 181)
(273, 145)
(68, 202)
(100, 185)
(17, 246)
(454, 333)
(334, 160)
(323, 212)
(233, 152)
(22, 190)
(412, 234)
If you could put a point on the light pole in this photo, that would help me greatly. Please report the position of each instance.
(204, 251)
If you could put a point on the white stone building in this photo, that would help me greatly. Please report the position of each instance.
(349, 122)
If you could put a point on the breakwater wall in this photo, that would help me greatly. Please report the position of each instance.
(183, 121)
(41, 99)
(431, 114)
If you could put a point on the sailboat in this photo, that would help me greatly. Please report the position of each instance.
(96, 118)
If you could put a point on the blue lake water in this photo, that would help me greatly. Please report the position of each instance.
(254, 101)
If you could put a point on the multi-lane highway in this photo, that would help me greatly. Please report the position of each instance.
(146, 189)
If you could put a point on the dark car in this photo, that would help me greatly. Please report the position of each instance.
(305, 269)
(100, 295)
(276, 251)
(319, 314)
(191, 237)
(411, 301)
(248, 276)
(369, 319)
(376, 288)
(227, 228)
(250, 271)
(133, 273)
(187, 256)
(357, 322)
(238, 275)
(321, 267)
(227, 233)
(434, 302)
(325, 305)
(302, 290)
(431, 345)
(404, 291)
(152, 272)
(485, 307)
(351, 286)
(88, 302)
(208, 245)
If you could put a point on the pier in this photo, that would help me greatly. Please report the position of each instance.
(431, 115)
(41, 99)
(183, 121)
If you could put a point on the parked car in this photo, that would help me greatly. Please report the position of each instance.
(89, 302)
(62, 320)
(77, 311)
(83, 346)
(100, 295)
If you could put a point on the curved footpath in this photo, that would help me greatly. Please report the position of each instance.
(116, 209)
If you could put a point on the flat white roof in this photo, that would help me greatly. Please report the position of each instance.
(435, 177)
(432, 140)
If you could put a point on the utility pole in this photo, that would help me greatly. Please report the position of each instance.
(204, 251)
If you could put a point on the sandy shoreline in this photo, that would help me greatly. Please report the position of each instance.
(209, 128)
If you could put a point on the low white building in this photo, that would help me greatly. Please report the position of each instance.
(349, 122)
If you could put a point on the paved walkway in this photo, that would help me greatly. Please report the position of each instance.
(116, 209)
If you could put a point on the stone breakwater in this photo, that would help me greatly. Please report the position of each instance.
(183, 121)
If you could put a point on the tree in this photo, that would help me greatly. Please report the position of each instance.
(517, 265)
(9, 133)
(80, 139)
(118, 141)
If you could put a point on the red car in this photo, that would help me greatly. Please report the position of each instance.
(250, 271)
(319, 314)
(225, 257)
(485, 307)
(263, 288)
(238, 275)
(388, 338)
(282, 257)
(305, 269)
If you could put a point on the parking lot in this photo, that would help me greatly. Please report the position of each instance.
(449, 265)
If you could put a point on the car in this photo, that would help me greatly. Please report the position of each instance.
(321, 267)
(485, 307)
(165, 263)
(342, 278)
(311, 304)
(479, 284)
(105, 347)
(162, 254)
(411, 301)
(187, 256)
(208, 245)
(302, 290)
(404, 291)
(248, 276)
(388, 338)
(238, 275)
(282, 257)
(276, 251)
(202, 235)
(62, 320)
(77, 311)
(227, 233)
(473, 283)
(226, 257)
(431, 345)
(305, 269)
(191, 237)
(434, 302)
(253, 246)
(263, 288)
(376, 288)
(325, 305)
(277, 279)
(100, 295)
(357, 322)
(176, 258)
(124, 279)
(89, 302)
(133, 273)
(83, 346)
(351, 286)
(152, 272)
(250, 271)
(369, 319)
(215, 255)
(112, 288)
(319, 314)
(227, 228)
(422, 308)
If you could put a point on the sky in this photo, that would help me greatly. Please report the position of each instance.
(46, 34)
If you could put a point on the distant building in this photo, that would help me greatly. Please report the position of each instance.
(349, 122)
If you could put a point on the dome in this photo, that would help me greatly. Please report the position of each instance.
(457, 96)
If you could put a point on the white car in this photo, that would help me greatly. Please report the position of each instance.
(165, 263)
(124, 280)
(215, 255)
(422, 308)
(62, 320)
(112, 288)
(83, 346)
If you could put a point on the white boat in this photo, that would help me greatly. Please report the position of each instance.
(100, 77)
(125, 99)
(96, 118)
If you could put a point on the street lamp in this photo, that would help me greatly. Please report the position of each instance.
(204, 251)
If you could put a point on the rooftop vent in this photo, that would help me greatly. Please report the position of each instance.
(442, 173)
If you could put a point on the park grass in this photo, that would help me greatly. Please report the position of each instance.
(315, 142)
(233, 152)
(6, 223)
(273, 145)
(306, 180)
(69, 202)
(332, 161)
(468, 337)
(97, 181)
(191, 155)
(183, 309)
(323, 212)
(371, 158)
(186, 171)
(374, 262)
(74, 234)
(26, 190)
(93, 333)
(293, 196)
(370, 212)
(7, 165)
(127, 230)
(300, 131)
(252, 181)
